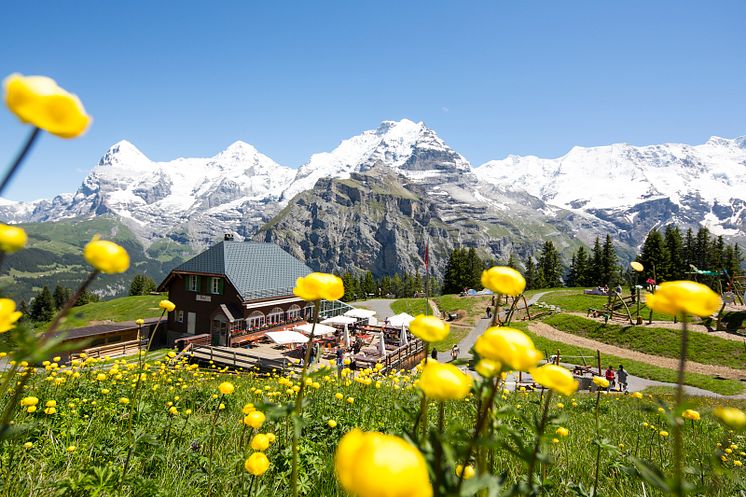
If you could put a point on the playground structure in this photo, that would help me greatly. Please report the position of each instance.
(617, 307)
(523, 312)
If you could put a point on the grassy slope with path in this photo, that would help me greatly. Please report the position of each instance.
(662, 342)
(573, 299)
(641, 369)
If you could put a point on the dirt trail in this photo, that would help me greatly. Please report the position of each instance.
(546, 331)
(673, 326)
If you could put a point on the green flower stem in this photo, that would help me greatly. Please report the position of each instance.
(678, 449)
(478, 428)
(298, 409)
(537, 444)
(212, 439)
(598, 448)
(19, 159)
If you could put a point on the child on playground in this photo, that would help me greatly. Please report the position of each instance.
(622, 375)
(610, 377)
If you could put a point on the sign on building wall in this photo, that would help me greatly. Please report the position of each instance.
(204, 298)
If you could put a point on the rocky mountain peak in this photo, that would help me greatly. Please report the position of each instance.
(122, 153)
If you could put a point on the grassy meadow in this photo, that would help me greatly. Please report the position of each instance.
(184, 444)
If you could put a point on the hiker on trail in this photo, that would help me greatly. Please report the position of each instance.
(610, 377)
(454, 352)
(618, 289)
(434, 354)
(622, 375)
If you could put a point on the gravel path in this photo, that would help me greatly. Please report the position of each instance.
(547, 331)
(381, 306)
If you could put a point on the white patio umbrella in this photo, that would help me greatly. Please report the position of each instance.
(319, 330)
(402, 319)
(284, 337)
(403, 338)
(382, 345)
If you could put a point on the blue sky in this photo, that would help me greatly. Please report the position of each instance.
(492, 78)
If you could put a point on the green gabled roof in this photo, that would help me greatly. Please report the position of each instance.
(256, 270)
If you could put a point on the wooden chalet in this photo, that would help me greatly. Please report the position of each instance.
(234, 291)
(107, 338)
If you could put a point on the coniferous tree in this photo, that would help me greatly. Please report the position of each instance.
(549, 267)
(582, 268)
(572, 274)
(396, 286)
(675, 246)
(61, 296)
(349, 282)
(689, 250)
(512, 262)
(474, 268)
(142, 285)
(23, 308)
(654, 256)
(701, 244)
(531, 275)
(42, 307)
(609, 263)
(715, 254)
(594, 271)
(368, 286)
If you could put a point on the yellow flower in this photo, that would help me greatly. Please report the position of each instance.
(350, 400)
(28, 445)
(663, 434)
(338, 396)
(429, 328)
(503, 279)
(49, 410)
(636, 266)
(51, 403)
(140, 322)
(71, 449)
(124, 400)
(317, 286)
(563, 432)
(508, 346)
(167, 305)
(636, 395)
(376, 465)
(106, 256)
(444, 381)
(555, 440)
(226, 388)
(601, 382)
(691, 414)
(254, 419)
(12, 238)
(260, 442)
(31, 409)
(488, 368)
(8, 315)
(39, 101)
(676, 297)
(271, 437)
(468, 471)
(555, 378)
(331, 423)
(29, 401)
(731, 417)
(257, 464)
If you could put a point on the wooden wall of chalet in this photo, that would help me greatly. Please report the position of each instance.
(186, 301)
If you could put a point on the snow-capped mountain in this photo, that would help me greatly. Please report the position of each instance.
(703, 184)
(410, 149)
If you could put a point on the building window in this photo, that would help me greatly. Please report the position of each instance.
(276, 316)
(216, 286)
(255, 320)
(193, 283)
(294, 312)
(180, 316)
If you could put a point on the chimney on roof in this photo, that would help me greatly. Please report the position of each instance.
(228, 237)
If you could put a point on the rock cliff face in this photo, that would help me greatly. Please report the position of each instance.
(380, 221)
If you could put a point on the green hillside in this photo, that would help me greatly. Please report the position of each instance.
(54, 255)
(121, 309)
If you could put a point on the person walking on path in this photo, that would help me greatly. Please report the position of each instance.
(610, 377)
(455, 352)
(622, 376)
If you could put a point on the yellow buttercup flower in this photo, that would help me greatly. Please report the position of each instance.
(601, 382)
(318, 286)
(508, 346)
(254, 419)
(260, 442)
(636, 395)
(12, 238)
(226, 388)
(257, 464)
(691, 414)
(488, 368)
(106, 256)
(331, 423)
(39, 101)
(468, 471)
(503, 279)
(140, 322)
(677, 297)
(555, 378)
(429, 328)
(29, 401)
(731, 417)
(636, 266)
(444, 381)
(376, 465)
(8, 315)
(561, 431)
(663, 433)
(72, 449)
(167, 305)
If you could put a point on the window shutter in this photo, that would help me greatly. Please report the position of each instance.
(221, 286)
(186, 282)
(199, 284)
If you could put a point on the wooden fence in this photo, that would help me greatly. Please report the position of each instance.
(113, 350)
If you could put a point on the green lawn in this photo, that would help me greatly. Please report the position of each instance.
(662, 342)
(121, 309)
(641, 369)
(573, 299)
